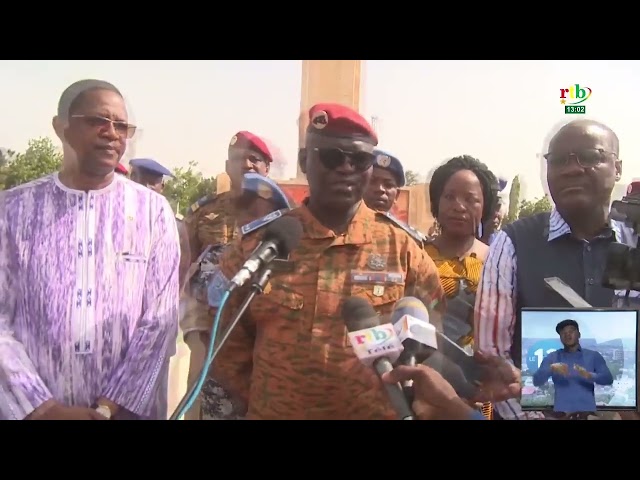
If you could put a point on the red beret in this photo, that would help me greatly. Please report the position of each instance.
(633, 189)
(251, 142)
(335, 120)
(122, 169)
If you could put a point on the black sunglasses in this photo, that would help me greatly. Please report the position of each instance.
(586, 158)
(332, 158)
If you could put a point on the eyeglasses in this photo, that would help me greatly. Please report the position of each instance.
(586, 158)
(332, 158)
(123, 129)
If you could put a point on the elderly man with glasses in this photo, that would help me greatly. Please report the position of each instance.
(88, 277)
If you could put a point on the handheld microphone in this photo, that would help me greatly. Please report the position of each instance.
(280, 238)
(410, 319)
(423, 344)
(376, 346)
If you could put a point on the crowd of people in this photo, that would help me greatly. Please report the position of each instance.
(87, 333)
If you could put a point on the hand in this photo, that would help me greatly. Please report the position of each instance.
(434, 397)
(560, 368)
(52, 410)
(112, 406)
(501, 380)
(582, 372)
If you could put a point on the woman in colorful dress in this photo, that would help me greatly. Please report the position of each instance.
(463, 194)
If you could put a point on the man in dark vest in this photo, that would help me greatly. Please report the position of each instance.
(570, 242)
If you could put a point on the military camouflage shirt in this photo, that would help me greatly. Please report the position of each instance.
(211, 221)
(290, 357)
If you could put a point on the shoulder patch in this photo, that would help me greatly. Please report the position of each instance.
(201, 203)
(412, 232)
(261, 222)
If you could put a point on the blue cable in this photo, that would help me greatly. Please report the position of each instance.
(210, 349)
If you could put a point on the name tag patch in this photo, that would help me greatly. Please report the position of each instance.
(384, 278)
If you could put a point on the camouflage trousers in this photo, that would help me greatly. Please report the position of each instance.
(217, 403)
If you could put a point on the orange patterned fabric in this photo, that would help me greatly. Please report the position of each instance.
(290, 357)
(451, 270)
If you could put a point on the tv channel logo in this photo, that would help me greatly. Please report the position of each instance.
(373, 336)
(573, 99)
(372, 343)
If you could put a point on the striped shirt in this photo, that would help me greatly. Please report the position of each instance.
(495, 312)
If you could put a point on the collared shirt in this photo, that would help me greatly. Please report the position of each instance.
(495, 312)
(573, 392)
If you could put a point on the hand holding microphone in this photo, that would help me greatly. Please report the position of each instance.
(377, 346)
(434, 397)
(479, 378)
(423, 344)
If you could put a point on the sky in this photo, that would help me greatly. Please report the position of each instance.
(428, 111)
(601, 326)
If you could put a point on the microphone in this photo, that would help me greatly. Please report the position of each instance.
(423, 344)
(376, 346)
(410, 319)
(280, 238)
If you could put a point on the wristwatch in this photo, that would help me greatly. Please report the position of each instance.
(104, 411)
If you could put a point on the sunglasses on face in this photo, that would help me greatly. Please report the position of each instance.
(332, 158)
(586, 158)
(123, 129)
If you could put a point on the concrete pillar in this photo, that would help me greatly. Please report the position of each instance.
(223, 183)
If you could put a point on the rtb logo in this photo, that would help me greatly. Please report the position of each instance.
(573, 97)
(374, 336)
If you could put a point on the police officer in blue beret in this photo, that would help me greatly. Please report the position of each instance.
(149, 173)
(386, 180)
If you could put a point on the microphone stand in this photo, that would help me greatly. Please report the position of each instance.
(261, 278)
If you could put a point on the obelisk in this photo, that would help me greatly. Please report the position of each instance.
(336, 81)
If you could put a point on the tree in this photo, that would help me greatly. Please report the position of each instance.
(514, 201)
(188, 186)
(531, 207)
(41, 158)
(411, 178)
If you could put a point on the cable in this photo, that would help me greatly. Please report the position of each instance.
(194, 391)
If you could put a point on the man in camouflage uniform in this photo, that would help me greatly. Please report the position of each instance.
(290, 358)
(214, 218)
(387, 178)
(211, 223)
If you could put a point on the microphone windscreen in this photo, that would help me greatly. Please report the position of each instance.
(452, 373)
(358, 314)
(286, 232)
(410, 306)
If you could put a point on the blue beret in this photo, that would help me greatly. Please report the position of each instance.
(388, 162)
(150, 165)
(502, 184)
(265, 188)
